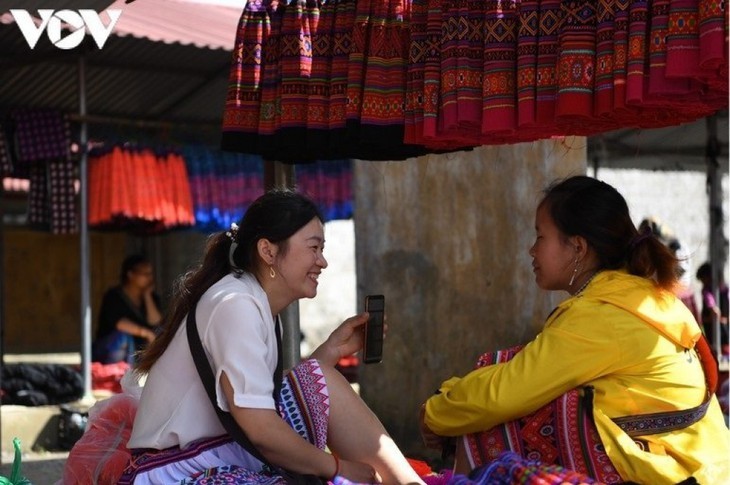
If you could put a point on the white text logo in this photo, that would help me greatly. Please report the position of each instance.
(78, 21)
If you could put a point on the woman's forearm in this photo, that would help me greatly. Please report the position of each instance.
(154, 316)
(326, 355)
(278, 442)
(135, 330)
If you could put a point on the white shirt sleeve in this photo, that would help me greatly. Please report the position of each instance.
(240, 341)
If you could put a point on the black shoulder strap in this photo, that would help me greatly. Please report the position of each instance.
(206, 375)
(279, 372)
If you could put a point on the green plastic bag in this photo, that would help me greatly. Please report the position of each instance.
(15, 477)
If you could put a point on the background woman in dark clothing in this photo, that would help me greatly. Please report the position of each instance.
(712, 309)
(129, 313)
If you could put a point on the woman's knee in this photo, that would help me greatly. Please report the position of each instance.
(332, 375)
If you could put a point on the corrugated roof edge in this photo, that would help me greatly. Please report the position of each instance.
(179, 21)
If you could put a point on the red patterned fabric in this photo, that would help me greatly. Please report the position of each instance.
(560, 433)
(319, 80)
(391, 79)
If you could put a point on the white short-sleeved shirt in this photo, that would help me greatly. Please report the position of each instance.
(237, 331)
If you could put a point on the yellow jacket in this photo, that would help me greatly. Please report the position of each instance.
(630, 342)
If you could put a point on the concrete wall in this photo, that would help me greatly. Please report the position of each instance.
(446, 239)
(680, 200)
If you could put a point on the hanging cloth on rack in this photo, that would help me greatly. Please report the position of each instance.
(559, 68)
(319, 80)
(391, 79)
(329, 184)
(41, 134)
(178, 200)
(42, 142)
(222, 184)
(139, 189)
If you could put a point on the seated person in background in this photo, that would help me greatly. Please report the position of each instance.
(623, 343)
(128, 315)
(712, 310)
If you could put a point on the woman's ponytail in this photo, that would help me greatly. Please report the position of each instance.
(186, 292)
(647, 256)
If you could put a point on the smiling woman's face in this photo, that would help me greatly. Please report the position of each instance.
(553, 259)
(301, 264)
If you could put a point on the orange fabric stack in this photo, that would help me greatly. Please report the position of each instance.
(139, 188)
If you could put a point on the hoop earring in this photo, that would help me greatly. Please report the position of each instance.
(272, 273)
(575, 272)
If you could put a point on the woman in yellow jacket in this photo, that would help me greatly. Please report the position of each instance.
(622, 333)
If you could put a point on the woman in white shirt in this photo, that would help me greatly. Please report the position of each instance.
(247, 277)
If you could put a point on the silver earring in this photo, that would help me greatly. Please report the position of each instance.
(575, 272)
(272, 273)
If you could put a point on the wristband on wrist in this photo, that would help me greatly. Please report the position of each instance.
(337, 467)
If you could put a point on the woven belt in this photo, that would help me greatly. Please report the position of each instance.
(663, 422)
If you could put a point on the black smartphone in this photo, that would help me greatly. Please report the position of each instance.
(373, 346)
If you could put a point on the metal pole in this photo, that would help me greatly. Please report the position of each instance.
(717, 238)
(277, 174)
(85, 249)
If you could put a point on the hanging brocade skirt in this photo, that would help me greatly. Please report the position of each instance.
(390, 79)
(495, 72)
(319, 80)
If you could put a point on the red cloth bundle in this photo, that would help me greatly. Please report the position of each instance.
(101, 454)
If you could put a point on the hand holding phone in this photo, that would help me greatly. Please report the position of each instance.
(373, 343)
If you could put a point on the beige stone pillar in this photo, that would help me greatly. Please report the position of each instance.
(446, 239)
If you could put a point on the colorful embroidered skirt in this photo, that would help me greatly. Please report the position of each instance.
(319, 80)
(561, 433)
(392, 79)
(304, 405)
(510, 468)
